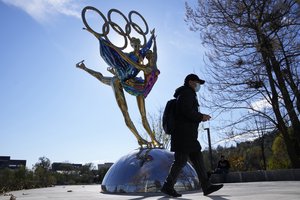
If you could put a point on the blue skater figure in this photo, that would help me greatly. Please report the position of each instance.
(125, 67)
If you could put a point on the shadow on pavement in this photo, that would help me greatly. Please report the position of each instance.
(218, 197)
(161, 196)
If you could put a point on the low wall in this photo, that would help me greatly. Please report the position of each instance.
(261, 175)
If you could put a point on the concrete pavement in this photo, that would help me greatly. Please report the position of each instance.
(279, 190)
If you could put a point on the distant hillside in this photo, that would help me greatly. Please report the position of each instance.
(267, 152)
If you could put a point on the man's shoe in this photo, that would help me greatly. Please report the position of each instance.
(170, 191)
(212, 188)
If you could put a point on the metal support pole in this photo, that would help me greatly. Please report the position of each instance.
(209, 147)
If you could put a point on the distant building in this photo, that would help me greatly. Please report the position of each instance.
(105, 165)
(6, 162)
(58, 166)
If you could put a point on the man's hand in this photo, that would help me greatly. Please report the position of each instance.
(205, 117)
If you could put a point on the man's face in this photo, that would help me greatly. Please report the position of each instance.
(193, 84)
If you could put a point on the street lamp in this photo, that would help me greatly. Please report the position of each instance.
(209, 147)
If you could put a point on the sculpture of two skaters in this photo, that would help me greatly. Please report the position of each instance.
(125, 67)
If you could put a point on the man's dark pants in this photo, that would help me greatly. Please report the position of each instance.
(180, 160)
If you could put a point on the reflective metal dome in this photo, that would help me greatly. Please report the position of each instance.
(145, 170)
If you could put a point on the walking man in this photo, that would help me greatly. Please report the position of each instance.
(184, 141)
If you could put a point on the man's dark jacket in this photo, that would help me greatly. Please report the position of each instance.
(184, 137)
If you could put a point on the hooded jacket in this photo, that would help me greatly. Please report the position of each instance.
(185, 135)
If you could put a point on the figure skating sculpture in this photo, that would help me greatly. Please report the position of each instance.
(125, 67)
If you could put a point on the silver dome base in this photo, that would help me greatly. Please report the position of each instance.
(145, 170)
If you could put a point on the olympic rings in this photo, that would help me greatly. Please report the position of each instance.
(109, 23)
(139, 30)
(120, 31)
(135, 27)
(127, 29)
(105, 28)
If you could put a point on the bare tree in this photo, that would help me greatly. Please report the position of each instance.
(156, 125)
(253, 52)
(261, 127)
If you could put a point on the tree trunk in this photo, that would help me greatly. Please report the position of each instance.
(290, 139)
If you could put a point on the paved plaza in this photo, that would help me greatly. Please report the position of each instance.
(280, 190)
